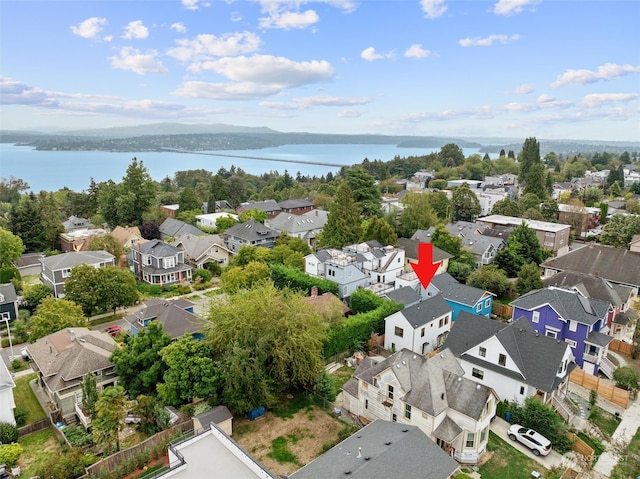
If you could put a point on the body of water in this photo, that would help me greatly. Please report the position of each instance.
(53, 170)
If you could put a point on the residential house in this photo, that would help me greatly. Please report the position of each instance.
(7, 401)
(305, 227)
(634, 245)
(421, 327)
(326, 303)
(8, 302)
(270, 207)
(170, 210)
(200, 250)
(79, 239)
(461, 297)
(553, 236)
(209, 220)
(506, 179)
(157, 262)
(616, 265)
(382, 263)
(488, 196)
(250, 233)
(29, 264)
(296, 206)
(63, 358)
(382, 450)
(76, 223)
(339, 267)
(594, 287)
(512, 359)
(410, 247)
(55, 270)
(406, 295)
(172, 228)
(569, 316)
(432, 394)
(176, 317)
(127, 236)
(218, 415)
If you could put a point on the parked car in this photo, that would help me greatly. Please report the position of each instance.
(539, 445)
(113, 330)
(25, 354)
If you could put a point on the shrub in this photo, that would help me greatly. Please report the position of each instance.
(202, 275)
(8, 433)
(292, 278)
(16, 365)
(10, 453)
(77, 436)
(20, 415)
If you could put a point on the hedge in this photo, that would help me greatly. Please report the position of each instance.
(358, 328)
(292, 278)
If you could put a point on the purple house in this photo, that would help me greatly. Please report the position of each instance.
(569, 316)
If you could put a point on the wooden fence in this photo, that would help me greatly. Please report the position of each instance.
(502, 310)
(620, 347)
(582, 447)
(34, 426)
(605, 389)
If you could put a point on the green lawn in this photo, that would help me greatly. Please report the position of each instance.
(507, 462)
(341, 376)
(26, 399)
(38, 448)
(606, 421)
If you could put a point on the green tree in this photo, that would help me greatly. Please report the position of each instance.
(451, 155)
(153, 417)
(528, 201)
(417, 214)
(626, 377)
(253, 213)
(89, 394)
(364, 300)
(543, 418)
(191, 372)
(466, 206)
(25, 221)
(378, 229)
(188, 200)
(506, 207)
(100, 289)
(615, 191)
(33, 294)
(50, 220)
(55, 314)
(620, 230)
(440, 204)
(224, 223)
(8, 433)
(110, 412)
(532, 171)
(343, 225)
(549, 210)
(325, 386)
(489, 278)
(364, 190)
(106, 243)
(295, 244)
(247, 253)
(138, 363)
(528, 279)
(11, 248)
(522, 248)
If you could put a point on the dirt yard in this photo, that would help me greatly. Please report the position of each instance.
(300, 439)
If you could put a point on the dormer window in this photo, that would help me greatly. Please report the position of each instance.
(1, 298)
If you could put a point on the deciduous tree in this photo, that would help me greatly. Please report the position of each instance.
(528, 279)
(417, 214)
(11, 248)
(106, 243)
(489, 278)
(55, 314)
(466, 206)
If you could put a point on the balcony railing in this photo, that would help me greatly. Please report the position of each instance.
(607, 367)
(84, 419)
(592, 358)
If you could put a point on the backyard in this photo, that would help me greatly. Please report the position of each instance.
(26, 399)
(38, 449)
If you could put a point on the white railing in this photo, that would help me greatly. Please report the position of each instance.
(592, 358)
(607, 367)
(85, 420)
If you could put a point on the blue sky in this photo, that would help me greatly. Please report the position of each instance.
(507, 68)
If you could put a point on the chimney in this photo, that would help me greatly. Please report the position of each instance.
(314, 291)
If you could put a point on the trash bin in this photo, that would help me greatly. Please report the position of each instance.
(507, 416)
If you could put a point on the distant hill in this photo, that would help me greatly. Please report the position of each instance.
(165, 129)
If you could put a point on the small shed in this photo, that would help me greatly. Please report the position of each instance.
(219, 415)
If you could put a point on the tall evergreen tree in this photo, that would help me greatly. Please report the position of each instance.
(364, 190)
(25, 222)
(532, 170)
(344, 225)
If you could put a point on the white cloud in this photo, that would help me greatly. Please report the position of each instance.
(135, 30)
(370, 54)
(350, 113)
(416, 51)
(545, 98)
(207, 46)
(190, 4)
(433, 8)
(304, 103)
(523, 89)
(225, 91)
(608, 71)
(179, 27)
(488, 41)
(511, 7)
(290, 20)
(597, 99)
(134, 60)
(89, 28)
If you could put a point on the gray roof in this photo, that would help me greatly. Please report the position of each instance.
(614, 264)
(171, 228)
(498, 231)
(75, 222)
(295, 203)
(568, 304)
(447, 430)
(599, 339)
(410, 247)
(295, 224)
(478, 244)
(29, 259)
(251, 230)
(172, 315)
(351, 386)
(214, 415)
(405, 295)
(537, 356)
(74, 258)
(452, 290)
(591, 286)
(157, 248)
(426, 311)
(382, 450)
(267, 206)
(8, 291)
(195, 246)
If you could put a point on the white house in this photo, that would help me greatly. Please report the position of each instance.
(421, 328)
(209, 219)
(432, 394)
(7, 402)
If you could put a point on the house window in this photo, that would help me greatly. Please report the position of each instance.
(146, 260)
(536, 317)
(471, 439)
(169, 263)
(5, 316)
(482, 352)
(441, 322)
(66, 273)
(477, 373)
(573, 325)
(487, 302)
(521, 390)
(422, 333)
(502, 360)
(366, 404)
(394, 418)
(446, 319)
(407, 411)
(483, 434)
(390, 391)
(479, 307)
(551, 333)
(331, 272)
(571, 343)
(399, 332)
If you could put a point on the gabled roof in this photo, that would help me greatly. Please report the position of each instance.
(536, 356)
(295, 203)
(196, 246)
(74, 258)
(478, 243)
(171, 228)
(568, 304)
(381, 450)
(172, 315)
(591, 286)
(410, 247)
(214, 415)
(65, 356)
(294, 224)
(8, 293)
(614, 264)
(452, 290)
(267, 206)
(75, 222)
(405, 295)
(426, 311)
(156, 248)
(251, 230)
(123, 235)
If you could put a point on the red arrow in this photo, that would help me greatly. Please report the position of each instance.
(425, 268)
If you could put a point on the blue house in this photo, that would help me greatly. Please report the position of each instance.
(460, 297)
(8, 302)
(176, 317)
(569, 316)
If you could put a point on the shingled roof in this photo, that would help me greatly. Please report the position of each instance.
(591, 286)
(426, 311)
(455, 291)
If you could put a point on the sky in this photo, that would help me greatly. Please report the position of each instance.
(552, 69)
